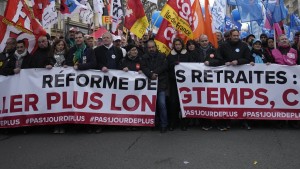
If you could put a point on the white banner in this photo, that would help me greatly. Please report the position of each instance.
(262, 91)
(63, 95)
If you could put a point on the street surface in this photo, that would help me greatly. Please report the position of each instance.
(263, 148)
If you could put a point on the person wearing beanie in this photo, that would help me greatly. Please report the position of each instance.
(132, 60)
(259, 55)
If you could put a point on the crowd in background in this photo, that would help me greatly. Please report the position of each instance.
(129, 53)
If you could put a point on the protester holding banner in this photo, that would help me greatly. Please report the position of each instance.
(235, 52)
(58, 54)
(80, 56)
(285, 54)
(154, 66)
(9, 51)
(19, 60)
(178, 54)
(259, 55)
(40, 56)
(108, 56)
(132, 61)
(208, 54)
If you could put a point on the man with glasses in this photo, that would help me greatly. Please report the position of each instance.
(9, 50)
(19, 60)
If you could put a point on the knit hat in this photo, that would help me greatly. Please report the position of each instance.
(129, 47)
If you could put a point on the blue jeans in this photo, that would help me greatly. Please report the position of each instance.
(162, 108)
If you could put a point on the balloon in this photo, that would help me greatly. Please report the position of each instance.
(235, 15)
(156, 19)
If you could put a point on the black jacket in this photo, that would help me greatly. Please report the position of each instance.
(10, 65)
(174, 58)
(239, 51)
(87, 61)
(101, 53)
(156, 63)
(39, 58)
(263, 54)
(4, 56)
(131, 64)
(211, 55)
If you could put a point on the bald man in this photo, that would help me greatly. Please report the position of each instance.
(39, 58)
(108, 56)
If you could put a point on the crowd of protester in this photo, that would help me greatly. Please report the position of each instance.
(141, 55)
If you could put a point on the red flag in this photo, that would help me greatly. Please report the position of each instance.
(179, 14)
(135, 19)
(18, 13)
(165, 37)
(212, 37)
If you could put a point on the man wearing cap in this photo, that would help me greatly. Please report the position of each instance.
(117, 43)
(108, 56)
(259, 55)
(71, 39)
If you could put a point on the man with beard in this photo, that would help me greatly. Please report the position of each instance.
(154, 66)
(235, 52)
(19, 60)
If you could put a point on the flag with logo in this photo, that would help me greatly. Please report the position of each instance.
(209, 29)
(294, 22)
(70, 7)
(179, 14)
(20, 24)
(218, 12)
(86, 14)
(116, 13)
(45, 11)
(198, 19)
(135, 19)
(98, 9)
(250, 10)
(165, 37)
(275, 11)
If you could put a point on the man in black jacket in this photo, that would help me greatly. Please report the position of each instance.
(39, 58)
(19, 60)
(154, 66)
(8, 52)
(235, 52)
(80, 56)
(108, 56)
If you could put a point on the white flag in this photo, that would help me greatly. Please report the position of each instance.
(87, 14)
(49, 16)
(98, 8)
(116, 13)
(218, 12)
(153, 1)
